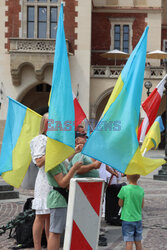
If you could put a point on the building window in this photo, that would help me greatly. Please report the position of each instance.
(165, 50)
(165, 45)
(121, 34)
(40, 20)
(126, 38)
(121, 38)
(53, 22)
(30, 22)
(117, 37)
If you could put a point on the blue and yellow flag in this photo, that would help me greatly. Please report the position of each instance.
(153, 137)
(61, 136)
(22, 124)
(114, 141)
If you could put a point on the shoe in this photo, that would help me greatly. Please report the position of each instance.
(102, 237)
(102, 244)
(102, 241)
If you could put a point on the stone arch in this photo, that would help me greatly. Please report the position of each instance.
(46, 65)
(36, 97)
(16, 73)
(38, 71)
(101, 103)
(22, 65)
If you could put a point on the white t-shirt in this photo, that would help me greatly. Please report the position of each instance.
(103, 172)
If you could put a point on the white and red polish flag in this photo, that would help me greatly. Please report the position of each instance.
(151, 106)
(79, 113)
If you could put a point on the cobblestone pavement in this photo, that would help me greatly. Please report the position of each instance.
(9, 209)
(154, 217)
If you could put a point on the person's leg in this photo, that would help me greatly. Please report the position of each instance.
(138, 245)
(129, 245)
(54, 241)
(47, 225)
(57, 226)
(138, 235)
(128, 234)
(37, 230)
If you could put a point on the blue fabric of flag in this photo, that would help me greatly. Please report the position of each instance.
(159, 119)
(11, 134)
(114, 140)
(61, 109)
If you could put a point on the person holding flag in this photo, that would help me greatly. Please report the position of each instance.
(42, 187)
(59, 179)
(49, 204)
(90, 167)
(60, 143)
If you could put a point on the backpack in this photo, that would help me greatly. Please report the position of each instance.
(23, 231)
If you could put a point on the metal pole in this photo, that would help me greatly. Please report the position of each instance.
(162, 174)
(148, 92)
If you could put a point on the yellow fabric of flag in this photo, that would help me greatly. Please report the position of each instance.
(21, 155)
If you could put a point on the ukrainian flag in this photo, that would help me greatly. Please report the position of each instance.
(114, 140)
(22, 124)
(61, 124)
(153, 137)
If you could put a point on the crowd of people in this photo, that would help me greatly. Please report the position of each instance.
(51, 192)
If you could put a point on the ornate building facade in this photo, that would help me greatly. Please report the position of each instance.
(92, 27)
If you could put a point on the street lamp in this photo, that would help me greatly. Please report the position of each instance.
(162, 174)
(148, 86)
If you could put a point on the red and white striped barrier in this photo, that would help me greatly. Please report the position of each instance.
(83, 214)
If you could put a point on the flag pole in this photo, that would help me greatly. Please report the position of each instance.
(162, 174)
(144, 152)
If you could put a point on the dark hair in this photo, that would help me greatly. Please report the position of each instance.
(78, 134)
(79, 126)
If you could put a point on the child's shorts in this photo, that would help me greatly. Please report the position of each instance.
(57, 220)
(132, 231)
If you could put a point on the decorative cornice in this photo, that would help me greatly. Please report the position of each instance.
(122, 20)
(27, 45)
(128, 9)
(36, 53)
